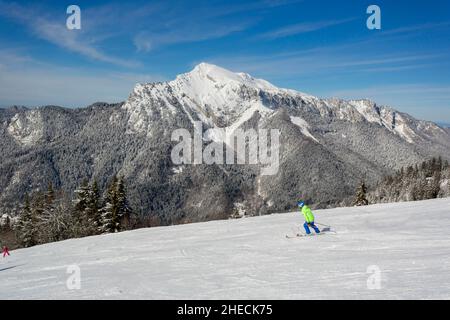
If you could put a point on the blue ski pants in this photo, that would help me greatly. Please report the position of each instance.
(306, 225)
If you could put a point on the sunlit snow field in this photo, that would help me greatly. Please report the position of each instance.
(250, 258)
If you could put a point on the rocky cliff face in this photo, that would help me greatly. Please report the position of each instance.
(326, 146)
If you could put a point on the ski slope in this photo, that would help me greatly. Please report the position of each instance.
(250, 258)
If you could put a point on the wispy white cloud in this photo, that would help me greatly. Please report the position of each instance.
(416, 28)
(322, 61)
(67, 39)
(143, 42)
(393, 60)
(301, 28)
(146, 26)
(243, 6)
(398, 68)
(25, 81)
(56, 33)
(147, 41)
(195, 22)
(11, 57)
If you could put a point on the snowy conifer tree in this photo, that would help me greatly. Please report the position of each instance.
(123, 207)
(116, 212)
(82, 196)
(26, 226)
(80, 205)
(109, 213)
(361, 195)
(93, 212)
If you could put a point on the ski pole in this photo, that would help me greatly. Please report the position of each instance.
(321, 224)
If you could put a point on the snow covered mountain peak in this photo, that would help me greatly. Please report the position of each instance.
(206, 69)
(214, 95)
(221, 98)
(205, 72)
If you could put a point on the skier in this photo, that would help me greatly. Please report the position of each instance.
(5, 251)
(309, 217)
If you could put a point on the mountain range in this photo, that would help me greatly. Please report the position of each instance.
(327, 146)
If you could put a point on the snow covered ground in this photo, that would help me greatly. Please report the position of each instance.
(250, 258)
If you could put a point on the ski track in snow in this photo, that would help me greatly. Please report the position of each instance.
(250, 258)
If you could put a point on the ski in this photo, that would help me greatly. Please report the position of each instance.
(298, 235)
(301, 235)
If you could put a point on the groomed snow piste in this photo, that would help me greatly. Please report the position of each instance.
(250, 258)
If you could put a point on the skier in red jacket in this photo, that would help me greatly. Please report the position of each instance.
(5, 251)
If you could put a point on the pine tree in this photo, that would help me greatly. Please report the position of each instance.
(123, 209)
(361, 193)
(81, 200)
(433, 186)
(80, 205)
(37, 208)
(45, 217)
(93, 209)
(439, 163)
(116, 212)
(26, 225)
(110, 219)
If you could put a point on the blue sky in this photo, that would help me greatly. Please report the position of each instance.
(319, 47)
